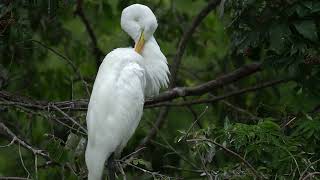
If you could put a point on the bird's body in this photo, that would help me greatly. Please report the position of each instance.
(125, 77)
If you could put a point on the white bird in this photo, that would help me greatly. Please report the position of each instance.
(125, 77)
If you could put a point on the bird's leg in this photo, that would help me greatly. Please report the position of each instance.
(119, 166)
(111, 167)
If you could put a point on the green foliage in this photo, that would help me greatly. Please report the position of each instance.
(281, 33)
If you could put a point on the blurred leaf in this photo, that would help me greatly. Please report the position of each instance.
(307, 29)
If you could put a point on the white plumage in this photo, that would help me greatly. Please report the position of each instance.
(125, 77)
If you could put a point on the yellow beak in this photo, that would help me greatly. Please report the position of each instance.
(139, 45)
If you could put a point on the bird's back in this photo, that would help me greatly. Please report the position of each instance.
(116, 103)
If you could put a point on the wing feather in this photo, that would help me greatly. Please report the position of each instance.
(116, 102)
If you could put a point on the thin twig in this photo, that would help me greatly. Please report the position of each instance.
(132, 154)
(154, 174)
(14, 178)
(72, 65)
(304, 172)
(311, 175)
(22, 162)
(181, 169)
(254, 171)
(7, 131)
(71, 119)
(12, 141)
(192, 125)
(153, 132)
(169, 147)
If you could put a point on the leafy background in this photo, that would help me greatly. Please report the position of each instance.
(47, 54)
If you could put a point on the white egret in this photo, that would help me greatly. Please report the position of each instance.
(125, 77)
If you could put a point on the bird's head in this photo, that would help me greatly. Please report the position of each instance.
(140, 23)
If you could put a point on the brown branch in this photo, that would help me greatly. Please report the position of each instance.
(254, 171)
(97, 52)
(186, 36)
(218, 98)
(236, 75)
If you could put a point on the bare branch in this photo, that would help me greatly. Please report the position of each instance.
(217, 98)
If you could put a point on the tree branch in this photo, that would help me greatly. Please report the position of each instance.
(217, 98)
(8, 99)
(236, 75)
(153, 132)
(176, 64)
(97, 52)
(186, 36)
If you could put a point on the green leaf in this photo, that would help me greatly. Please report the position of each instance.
(307, 4)
(278, 36)
(315, 7)
(307, 29)
(142, 162)
(302, 11)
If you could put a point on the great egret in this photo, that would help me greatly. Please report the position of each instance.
(125, 77)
